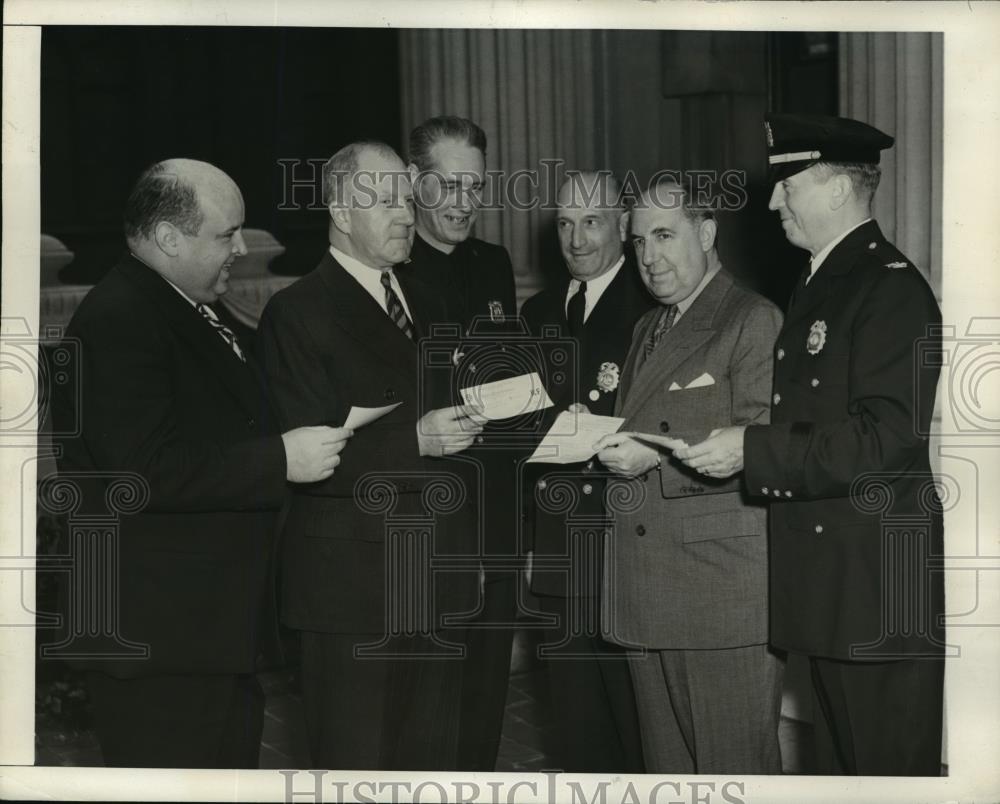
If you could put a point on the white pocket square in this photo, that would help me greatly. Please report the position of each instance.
(701, 382)
(674, 387)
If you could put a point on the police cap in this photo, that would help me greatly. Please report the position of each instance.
(798, 141)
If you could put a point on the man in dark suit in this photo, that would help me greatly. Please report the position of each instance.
(167, 393)
(448, 162)
(597, 305)
(851, 409)
(688, 579)
(379, 686)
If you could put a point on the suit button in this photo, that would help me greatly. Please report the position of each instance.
(664, 427)
(781, 354)
(776, 399)
(390, 393)
(819, 529)
(640, 530)
(588, 489)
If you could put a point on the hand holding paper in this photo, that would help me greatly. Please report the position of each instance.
(571, 437)
(625, 455)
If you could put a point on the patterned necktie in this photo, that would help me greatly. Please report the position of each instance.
(225, 332)
(575, 309)
(665, 321)
(395, 307)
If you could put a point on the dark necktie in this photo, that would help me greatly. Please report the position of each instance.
(663, 323)
(225, 332)
(575, 309)
(394, 307)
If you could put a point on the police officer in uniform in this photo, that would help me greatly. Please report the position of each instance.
(854, 515)
(597, 305)
(476, 281)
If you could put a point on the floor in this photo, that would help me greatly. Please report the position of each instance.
(64, 738)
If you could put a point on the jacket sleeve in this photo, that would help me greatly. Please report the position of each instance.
(306, 396)
(130, 422)
(887, 393)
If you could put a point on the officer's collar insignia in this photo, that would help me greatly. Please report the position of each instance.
(607, 378)
(817, 337)
(496, 311)
(895, 265)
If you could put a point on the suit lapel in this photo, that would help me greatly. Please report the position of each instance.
(361, 317)
(688, 335)
(204, 342)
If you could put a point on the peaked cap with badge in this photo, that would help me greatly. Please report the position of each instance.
(798, 141)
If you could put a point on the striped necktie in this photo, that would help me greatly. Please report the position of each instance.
(225, 332)
(663, 323)
(394, 307)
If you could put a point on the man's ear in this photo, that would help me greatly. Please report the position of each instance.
(623, 221)
(841, 188)
(341, 217)
(706, 234)
(167, 238)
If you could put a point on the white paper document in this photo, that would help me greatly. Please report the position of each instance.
(659, 440)
(359, 417)
(572, 437)
(506, 398)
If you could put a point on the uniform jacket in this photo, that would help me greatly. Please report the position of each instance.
(607, 335)
(688, 554)
(852, 398)
(476, 283)
(327, 346)
(162, 395)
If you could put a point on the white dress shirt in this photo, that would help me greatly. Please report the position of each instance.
(371, 279)
(817, 261)
(595, 288)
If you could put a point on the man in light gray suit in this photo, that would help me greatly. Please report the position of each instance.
(686, 575)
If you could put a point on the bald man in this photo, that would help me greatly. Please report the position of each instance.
(167, 392)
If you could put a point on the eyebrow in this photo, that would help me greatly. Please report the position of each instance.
(232, 229)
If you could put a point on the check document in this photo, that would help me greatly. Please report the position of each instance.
(359, 417)
(506, 398)
(572, 437)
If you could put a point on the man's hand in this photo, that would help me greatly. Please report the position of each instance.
(312, 453)
(720, 455)
(623, 455)
(446, 431)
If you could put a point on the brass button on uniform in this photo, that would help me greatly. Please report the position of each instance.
(479, 439)
(776, 399)
(763, 490)
(819, 528)
(777, 492)
(788, 494)
(814, 382)
(542, 485)
(781, 354)
(588, 489)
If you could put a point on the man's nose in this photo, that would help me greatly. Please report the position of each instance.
(648, 257)
(576, 238)
(239, 244)
(406, 215)
(777, 197)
